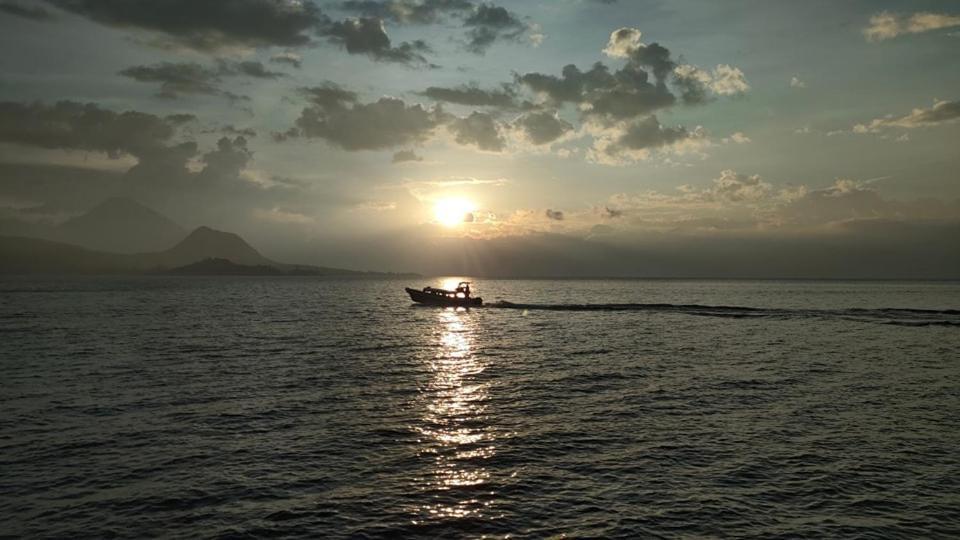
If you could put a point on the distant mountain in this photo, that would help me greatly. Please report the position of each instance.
(204, 251)
(120, 225)
(207, 243)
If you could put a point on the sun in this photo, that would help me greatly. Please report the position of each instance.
(452, 212)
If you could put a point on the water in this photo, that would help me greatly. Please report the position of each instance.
(252, 407)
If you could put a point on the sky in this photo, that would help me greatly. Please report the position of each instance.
(681, 138)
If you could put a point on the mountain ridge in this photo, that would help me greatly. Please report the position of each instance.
(231, 253)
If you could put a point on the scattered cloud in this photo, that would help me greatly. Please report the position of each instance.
(480, 130)
(336, 116)
(555, 215)
(940, 113)
(471, 94)
(736, 138)
(623, 42)
(191, 78)
(208, 26)
(886, 25)
(624, 143)
(542, 127)
(795, 82)
(694, 82)
(407, 11)
(69, 125)
(367, 36)
(489, 23)
(289, 58)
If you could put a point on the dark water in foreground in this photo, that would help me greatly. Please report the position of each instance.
(255, 407)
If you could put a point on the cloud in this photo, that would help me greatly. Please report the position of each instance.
(216, 26)
(728, 80)
(290, 58)
(248, 68)
(210, 25)
(473, 95)
(367, 36)
(230, 129)
(33, 12)
(488, 23)
(404, 156)
(478, 129)
(542, 127)
(795, 82)
(177, 79)
(407, 11)
(336, 116)
(694, 82)
(191, 78)
(631, 141)
(940, 113)
(69, 125)
(733, 187)
(627, 93)
(485, 23)
(886, 25)
(555, 215)
(623, 42)
(737, 138)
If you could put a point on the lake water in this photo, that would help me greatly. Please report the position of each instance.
(304, 407)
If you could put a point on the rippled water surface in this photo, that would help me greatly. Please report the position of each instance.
(252, 407)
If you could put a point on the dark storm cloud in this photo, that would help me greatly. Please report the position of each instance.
(543, 127)
(478, 129)
(473, 95)
(336, 116)
(211, 24)
(405, 155)
(556, 215)
(487, 24)
(624, 94)
(18, 9)
(407, 11)
(69, 125)
(367, 36)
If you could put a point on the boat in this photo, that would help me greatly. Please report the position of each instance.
(432, 296)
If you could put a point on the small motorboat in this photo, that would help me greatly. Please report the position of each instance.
(432, 296)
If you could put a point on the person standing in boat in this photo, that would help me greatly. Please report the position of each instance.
(463, 288)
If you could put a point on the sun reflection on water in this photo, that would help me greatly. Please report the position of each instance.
(457, 436)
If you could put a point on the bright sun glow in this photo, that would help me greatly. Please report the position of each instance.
(451, 212)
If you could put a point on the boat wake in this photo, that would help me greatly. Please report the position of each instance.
(894, 316)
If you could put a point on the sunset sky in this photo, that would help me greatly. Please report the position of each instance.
(591, 137)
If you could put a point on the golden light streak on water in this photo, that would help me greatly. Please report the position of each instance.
(454, 428)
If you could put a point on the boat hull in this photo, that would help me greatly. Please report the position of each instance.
(429, 299)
